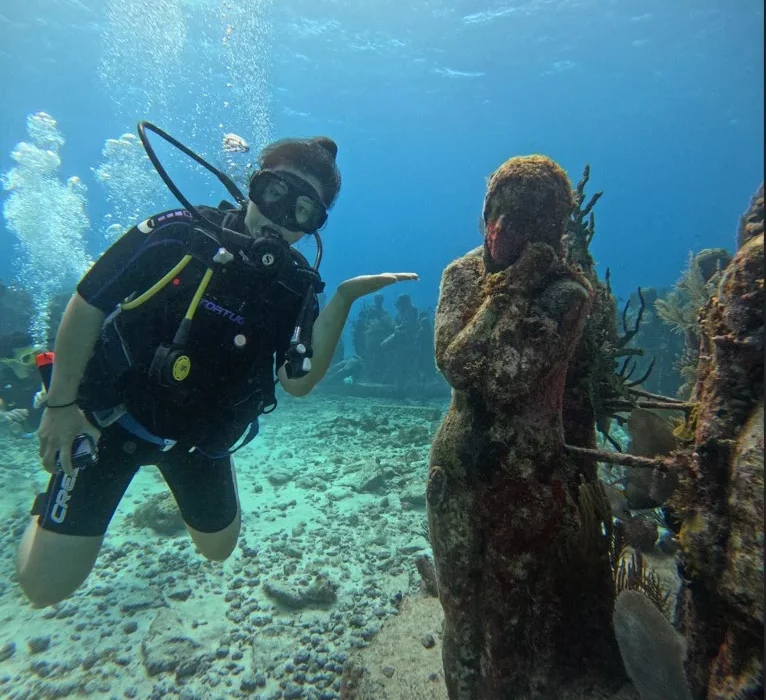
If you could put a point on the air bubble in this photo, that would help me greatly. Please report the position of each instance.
(48, 218)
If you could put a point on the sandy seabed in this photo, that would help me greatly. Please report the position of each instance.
(333, 516)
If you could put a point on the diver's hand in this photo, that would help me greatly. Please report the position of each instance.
(58, 429)
(41, 398)
(356, 287)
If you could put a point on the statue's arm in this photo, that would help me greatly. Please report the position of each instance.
(525, 352)
(463, 323)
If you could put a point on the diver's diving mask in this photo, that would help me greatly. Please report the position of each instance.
(288, 201)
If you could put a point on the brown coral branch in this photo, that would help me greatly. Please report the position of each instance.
(623, 352)
(586, 211)
(618, 458)
(580, 193)
(642, 378)
(662, 406)
(659, 405)
(590, 229)
(630, 334)
(657, 397)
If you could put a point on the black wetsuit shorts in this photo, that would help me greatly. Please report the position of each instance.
(83, 504)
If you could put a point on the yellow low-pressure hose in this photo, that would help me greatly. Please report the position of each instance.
(163, 282)
(198, 295)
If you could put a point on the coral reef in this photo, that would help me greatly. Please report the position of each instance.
(718, 505)
(19, 379)
(720, 499)
(632, 574)
(605, 382)
(607, 386)
(523, 617)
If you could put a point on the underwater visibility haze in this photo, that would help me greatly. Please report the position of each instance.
(531, 462)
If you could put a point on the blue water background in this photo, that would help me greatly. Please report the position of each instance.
(426, 99)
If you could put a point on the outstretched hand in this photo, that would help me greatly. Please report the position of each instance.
(356, 287)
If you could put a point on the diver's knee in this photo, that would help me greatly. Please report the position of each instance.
(42, 594)
(43, 586)
(51, 567)
(220, 550)
(219, 554)
(217, 546)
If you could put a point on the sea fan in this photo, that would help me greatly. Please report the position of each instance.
(633, 575)
(681, 306)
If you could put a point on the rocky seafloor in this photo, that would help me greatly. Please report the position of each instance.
(333, 509)
(333, 521)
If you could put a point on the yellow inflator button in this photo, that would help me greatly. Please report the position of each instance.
(181, 368)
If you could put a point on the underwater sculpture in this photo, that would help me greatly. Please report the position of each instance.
(392, 356)
(527, 613)
(714, 650)
(721, 499)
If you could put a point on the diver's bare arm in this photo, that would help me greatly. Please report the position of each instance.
(75, 340)
(327, 331)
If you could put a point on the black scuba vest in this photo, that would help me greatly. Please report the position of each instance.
(242, 320)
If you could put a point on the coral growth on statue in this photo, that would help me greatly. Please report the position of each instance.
(715, 648)
(721, 501)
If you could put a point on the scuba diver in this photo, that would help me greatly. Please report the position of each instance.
(20, 411)
(167, 354)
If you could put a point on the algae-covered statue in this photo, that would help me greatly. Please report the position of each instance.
(721, 502)
(714, 649)
(502, 495)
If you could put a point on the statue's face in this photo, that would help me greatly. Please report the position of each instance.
(499, 245)
(528, 200)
